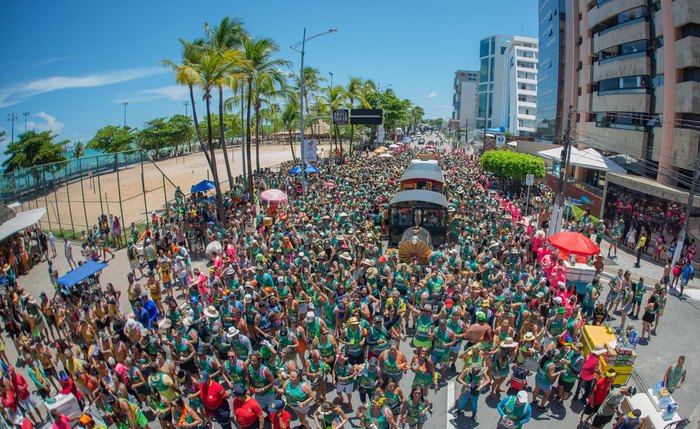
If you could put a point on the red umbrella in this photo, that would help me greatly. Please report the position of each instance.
(574, 243)
(273, 196)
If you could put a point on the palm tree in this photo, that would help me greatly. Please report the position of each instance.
(290, 121)
(271, 85)
(186, 75)
(262, 71)
(227, 36)
(312, 85)
(355, 92)
(211, 69)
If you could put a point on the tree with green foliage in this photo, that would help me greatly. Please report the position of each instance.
(512, 164)
(113, 139)
(78, 150)
(162, 133)
(33, 149)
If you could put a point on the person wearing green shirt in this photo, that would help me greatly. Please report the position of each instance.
(590, 297)
(573, 364)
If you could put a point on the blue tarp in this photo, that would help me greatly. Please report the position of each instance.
(81, 273)
(496, 130)
(310, 169)
(203, 186)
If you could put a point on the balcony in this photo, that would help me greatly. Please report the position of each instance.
(630, 65)
(622, 33)
(611, 102)
(629, 142)
(610, 9)
(685, 12)
(688, 52)
(688, 97)
(685, 147)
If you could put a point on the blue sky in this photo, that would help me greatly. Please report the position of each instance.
(71, 64)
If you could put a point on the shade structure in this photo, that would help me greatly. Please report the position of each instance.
(379, 150)
(574, 243)
(273, 196)
(203, 186)
(20, 221)
(310, 169)
(393, 146)
(81, 273)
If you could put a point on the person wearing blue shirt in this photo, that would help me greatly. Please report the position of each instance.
(264, 279)
(516, 408)
(687, 273)
(150, 307)
(142, 315)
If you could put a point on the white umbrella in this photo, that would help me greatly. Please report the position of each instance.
(212, 247)
(393, 146)
(385, 155)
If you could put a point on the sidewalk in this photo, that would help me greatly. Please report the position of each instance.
(651, 270)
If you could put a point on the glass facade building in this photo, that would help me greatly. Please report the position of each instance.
(550, 110)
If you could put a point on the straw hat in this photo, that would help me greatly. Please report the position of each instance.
(346, 256)
(372, 273)
(232, 332)
(508, 343)
(211, 312)
(529, 336)
(165, 324)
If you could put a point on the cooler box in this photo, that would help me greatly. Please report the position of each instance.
(66, 404)
(581, 272)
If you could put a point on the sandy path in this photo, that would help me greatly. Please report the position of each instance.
(67, 201)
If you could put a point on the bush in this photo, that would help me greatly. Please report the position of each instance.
(512, 164)
(578, 212)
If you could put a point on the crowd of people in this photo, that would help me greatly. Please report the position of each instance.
(300, 300)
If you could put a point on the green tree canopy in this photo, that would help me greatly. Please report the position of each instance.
(78, 150)
(112, 139)
(163, 133)
(512, 164)
(232, 126)
(33, 149)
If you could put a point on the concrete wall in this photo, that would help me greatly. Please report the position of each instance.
(611, 8)
(688, 52)
(622, 34)
(688, 97)
(620, 102)
(632, 66)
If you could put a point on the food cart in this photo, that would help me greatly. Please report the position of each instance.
(648, 404)
(618, 355)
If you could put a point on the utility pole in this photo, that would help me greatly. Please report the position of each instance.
(688, 207)
(558, 208)
(125, 104)
(185, 103)
(12, 117)
(25, 114)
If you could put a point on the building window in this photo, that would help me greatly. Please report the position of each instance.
(503, 50)
(484, 48)
(484, 71)
(624, 18)
(623, 120)
(493, 46)
(493, 66)
(624, 85)
(631, 49)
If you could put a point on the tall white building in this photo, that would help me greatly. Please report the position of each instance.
(492, 94)
(520, 87)
(464, 98)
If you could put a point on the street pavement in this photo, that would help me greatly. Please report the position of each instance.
(675, 336)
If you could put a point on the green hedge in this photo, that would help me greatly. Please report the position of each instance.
(512, 164)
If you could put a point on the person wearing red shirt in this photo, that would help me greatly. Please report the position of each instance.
(600, 392)
(19, 385)
(215, 400)
(248, 413)
(60, 421)
(9, 403)
(279, 416)
(68, 386)
(586, 378)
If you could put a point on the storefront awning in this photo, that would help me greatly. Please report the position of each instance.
(21, 221)
(588, 158)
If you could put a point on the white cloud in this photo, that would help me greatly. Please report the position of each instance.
(44, 122)
(432, 95)
(14, 94)
(171, 92)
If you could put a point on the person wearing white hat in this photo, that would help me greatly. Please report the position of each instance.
(516, 409)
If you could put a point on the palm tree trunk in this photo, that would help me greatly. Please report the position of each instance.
(340, 142)
(243, 172)
(248, 143)
(196, 127)
(291, 145)
(352, 135)
(257, 137)
(214, 170)
(222, 137)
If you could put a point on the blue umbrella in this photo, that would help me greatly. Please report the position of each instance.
(310, 169)
(203, 186)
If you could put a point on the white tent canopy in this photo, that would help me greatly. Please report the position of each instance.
(588, 158)
(21, 221)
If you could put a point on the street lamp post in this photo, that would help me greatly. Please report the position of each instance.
(12, 117)
(125, 104)
(25, 114)
(185, 103)
(296, 47)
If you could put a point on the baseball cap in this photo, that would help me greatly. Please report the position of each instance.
(203, 376)
(521, 397)
(276, 406)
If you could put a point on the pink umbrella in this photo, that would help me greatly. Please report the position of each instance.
(329, 184)
(273, 196)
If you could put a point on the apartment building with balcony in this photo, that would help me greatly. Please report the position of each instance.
(636, 89)
(464, 98)
(520, 87)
